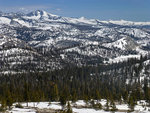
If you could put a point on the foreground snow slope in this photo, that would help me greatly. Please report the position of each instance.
(80, 107)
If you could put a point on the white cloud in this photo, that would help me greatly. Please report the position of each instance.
(58, 9)
(25, 9)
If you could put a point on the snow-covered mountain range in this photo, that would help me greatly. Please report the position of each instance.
(46, 41)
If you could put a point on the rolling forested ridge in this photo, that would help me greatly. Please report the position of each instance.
(119, 82)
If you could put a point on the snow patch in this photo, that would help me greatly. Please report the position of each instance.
(123, 58)
(4, 20)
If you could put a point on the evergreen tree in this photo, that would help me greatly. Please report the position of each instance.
(97, 96)
(9, 99)
(54, 93)
(107, 106)
(125, 96)
(131, 103)
(86, 99)
(26, 93)
(63, 99)
(113, 105)
(69, 109)
(74, 96)
(3, 105)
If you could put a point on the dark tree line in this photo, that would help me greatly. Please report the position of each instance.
(73, 83)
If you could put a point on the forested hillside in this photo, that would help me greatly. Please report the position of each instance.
(114, 82)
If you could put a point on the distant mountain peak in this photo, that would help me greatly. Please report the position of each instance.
(36, 13)
(41, 14)
(128, 23)
(82, 18)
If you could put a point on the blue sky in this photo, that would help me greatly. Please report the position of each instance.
(134, 10)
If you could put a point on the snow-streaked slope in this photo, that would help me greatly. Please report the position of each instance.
(123, 58)
(23, 23)
(135, 32)
(17, 55)
(4, 20)
(123, 43)
(127, 23)
(79, 40)
(80, 21)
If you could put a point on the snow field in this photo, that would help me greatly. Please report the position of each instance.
(80, 107)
